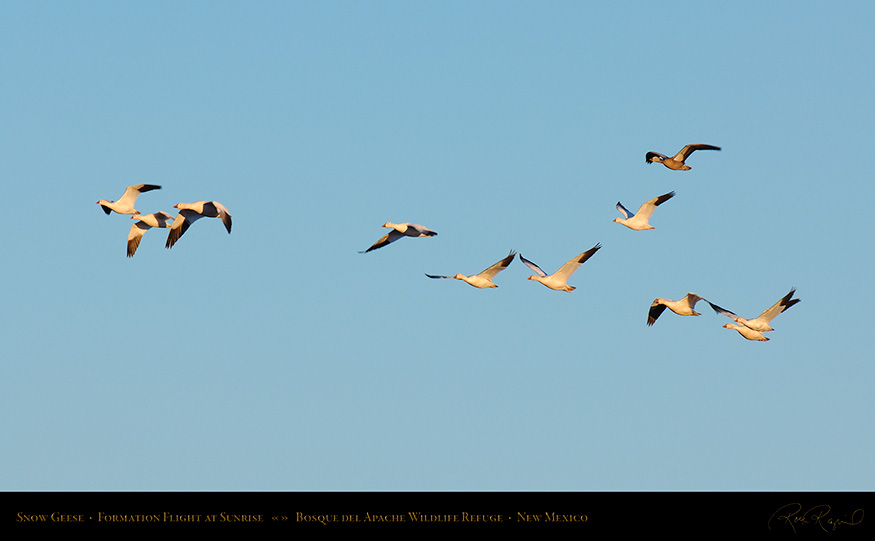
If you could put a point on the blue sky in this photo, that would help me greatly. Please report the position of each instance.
(280, 358)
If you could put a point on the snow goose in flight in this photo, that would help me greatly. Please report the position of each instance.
(125, 205)
(191, 212)
(484, 279)
(558, 279)
(400, 230)
(638, 221)
(761, 322)
(145, 223)
(683, 307)
(746, 332)
(676, 162)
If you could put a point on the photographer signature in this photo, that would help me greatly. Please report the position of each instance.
(791, 515)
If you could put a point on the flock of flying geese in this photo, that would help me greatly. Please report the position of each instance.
(188, 214)
(751, 329)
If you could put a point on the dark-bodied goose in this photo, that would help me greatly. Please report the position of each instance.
(676, 162)
(125, 205)
(192, 212)
(145, 223)
(400, 230)
(484, 279)
(639, 220)
(761, 322)
(683, 307)
(557, 280)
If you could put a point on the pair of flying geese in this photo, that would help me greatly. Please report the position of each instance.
(188, 214)
(639, 221)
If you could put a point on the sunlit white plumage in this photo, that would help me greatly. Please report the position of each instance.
(145, 222)
(400, 230)
(558, 280)
(483, 279)
(683, 307)
(190, 213)
(761, 322)
(746, 332)
(125, 204)
(639, 220)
